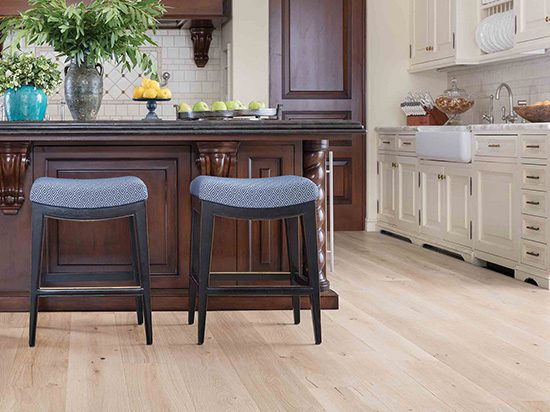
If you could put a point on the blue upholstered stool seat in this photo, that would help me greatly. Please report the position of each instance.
(271, 192)
(88, 193)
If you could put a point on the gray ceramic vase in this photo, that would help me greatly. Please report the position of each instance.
(84, 90)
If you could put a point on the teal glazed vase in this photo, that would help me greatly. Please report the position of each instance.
(27, 103)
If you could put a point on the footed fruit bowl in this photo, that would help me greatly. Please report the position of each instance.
(534, 113)
(152, 107)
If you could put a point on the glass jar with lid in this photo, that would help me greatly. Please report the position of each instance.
(454, 102)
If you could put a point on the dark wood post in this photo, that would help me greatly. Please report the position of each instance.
(216, 158)
(315, 156)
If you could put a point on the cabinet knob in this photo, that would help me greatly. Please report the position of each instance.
(547, 19)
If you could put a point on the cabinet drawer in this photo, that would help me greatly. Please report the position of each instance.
(534, 147)
(387, 143)
(533, 254)
(533, 177)
(533, 228)
(406, 144)
(533, 203)
(498, 146)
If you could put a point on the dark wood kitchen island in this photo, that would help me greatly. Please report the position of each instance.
(166, 155)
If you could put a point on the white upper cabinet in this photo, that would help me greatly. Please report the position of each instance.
(533, 19)
(432, 34)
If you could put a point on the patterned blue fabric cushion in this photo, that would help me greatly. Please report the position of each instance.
(88, 193)
(263, 193)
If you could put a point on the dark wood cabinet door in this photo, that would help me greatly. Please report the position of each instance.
(261, 244)
(317, 72)
(76, 247)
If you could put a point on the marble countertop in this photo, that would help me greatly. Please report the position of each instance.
(516, 127)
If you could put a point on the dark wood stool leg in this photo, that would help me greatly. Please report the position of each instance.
(310, 243)
(143, 248)
(37, 238)
(133, 242)
(195, 245)
(292, 235)
(205, 252)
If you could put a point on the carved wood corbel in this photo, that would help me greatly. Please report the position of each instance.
(216, 158)
(14, 161)
(201, 36)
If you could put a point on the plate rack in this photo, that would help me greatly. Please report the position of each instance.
(495, 7)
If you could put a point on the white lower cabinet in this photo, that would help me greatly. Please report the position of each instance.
(496, 227)
(446, 202)
(407, 193)
(495, 209)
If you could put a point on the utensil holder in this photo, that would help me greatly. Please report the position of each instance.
(434, 118)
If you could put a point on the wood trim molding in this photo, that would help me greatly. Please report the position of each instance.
(14, 162)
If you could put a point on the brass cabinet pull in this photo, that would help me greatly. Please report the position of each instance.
(407, 143)
(535, 254)
(386, 142)
(533, 177)
(533, 146)
(494, 145)
(531, 202)
(547, 19)
(536, 229)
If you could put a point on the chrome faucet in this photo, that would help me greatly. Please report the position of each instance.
(511, 117)
(490, 118)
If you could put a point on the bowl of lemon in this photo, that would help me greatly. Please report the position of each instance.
(151, 92)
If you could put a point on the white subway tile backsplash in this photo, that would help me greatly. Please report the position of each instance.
(174, 55)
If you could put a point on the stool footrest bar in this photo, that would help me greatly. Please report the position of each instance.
(259, 291)
(52, 292)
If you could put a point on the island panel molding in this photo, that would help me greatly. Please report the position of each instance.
(14, 161)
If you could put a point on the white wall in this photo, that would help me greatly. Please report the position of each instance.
(250, 50)
(388, 80)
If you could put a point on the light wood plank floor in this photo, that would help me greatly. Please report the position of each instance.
(417, 331)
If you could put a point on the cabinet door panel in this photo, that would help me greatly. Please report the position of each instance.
(532, 22)
(261, 244)
(496, 231)
(457, 205)
(421, 30)
(407, 189)
(431, 198)
(76, 247)
(387, 189)
(444, 29)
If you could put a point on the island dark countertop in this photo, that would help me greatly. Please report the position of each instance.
(167, 155)
(174, 130)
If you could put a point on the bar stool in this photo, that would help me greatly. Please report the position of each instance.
(89, 200)
(291, 198)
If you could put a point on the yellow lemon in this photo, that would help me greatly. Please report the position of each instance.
(138, 92)
(153, 84)
(145, 83)
(150, 94)
(164, 93)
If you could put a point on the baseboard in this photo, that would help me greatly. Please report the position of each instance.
(163, 300)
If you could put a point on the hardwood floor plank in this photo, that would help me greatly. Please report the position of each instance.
(96, 378)
(416, 331)
(37, 379)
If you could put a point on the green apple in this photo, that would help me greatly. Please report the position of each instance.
(256, 105)
(218, 106)
(201, 107)
(184, 107)
(233, 105)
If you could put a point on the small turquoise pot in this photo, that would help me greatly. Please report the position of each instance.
(24, 104)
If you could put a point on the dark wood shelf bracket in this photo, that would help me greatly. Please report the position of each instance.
(201, 36)
(14, 161)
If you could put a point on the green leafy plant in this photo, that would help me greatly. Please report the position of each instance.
(18, 70)
(92, 33)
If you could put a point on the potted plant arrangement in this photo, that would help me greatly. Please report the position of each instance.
(25, 81)
(88, 34)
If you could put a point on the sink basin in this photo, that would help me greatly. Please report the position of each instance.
(449, 144)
